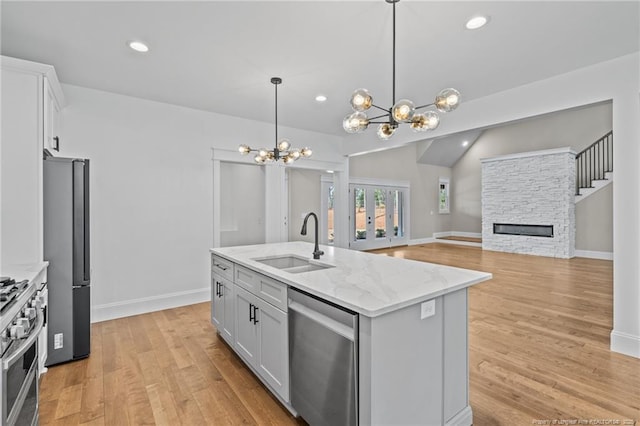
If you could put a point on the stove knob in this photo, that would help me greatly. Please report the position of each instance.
(24, 322)
(17, 332)
(30, 313)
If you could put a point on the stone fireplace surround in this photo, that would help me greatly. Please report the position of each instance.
(530, 188)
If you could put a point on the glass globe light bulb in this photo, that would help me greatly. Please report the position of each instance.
(258, 159)
(418, 123)
(447, 100)
(244, 149)
(306, 152)
(356, 122)
(432, 120)
(284, 145)
(403, 110)
(289, 159)
(361, 100)
(295, 154)
(385, 131)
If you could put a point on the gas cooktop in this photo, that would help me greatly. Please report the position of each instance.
(10, 290)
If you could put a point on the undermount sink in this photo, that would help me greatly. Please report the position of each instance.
(293, 264)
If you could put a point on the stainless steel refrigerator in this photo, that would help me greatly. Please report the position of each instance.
(66, 247)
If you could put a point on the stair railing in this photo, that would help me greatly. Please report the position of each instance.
(593, 162)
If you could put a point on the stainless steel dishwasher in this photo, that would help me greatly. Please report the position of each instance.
(323, 359)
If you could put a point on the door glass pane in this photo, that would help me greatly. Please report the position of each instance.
(330, 235)
(360, 213)
(398, 228)
(380, 213)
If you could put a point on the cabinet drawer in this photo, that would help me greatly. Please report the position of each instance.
(266, 288)
(222, 267)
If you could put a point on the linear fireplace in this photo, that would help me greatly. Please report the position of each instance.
(528, 230)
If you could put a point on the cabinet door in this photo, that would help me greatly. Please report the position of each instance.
(273, 348)
(50, 114)
(217, 302)
(228, 318)
(246, 339)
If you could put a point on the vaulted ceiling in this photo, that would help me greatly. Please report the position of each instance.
(220, 55)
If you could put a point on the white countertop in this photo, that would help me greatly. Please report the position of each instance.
(370, 284)
(35, 273)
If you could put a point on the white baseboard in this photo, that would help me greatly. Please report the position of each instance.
(145, 305)
(466, 234)
(442, 234)
(463, 418)
(604, 255)
(625, 343)
(419, 241)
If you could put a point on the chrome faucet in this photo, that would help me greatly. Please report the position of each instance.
(316, 250)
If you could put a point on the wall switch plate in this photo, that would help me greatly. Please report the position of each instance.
(428, 309)
(57, 341)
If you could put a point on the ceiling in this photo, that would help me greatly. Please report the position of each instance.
(220, 55)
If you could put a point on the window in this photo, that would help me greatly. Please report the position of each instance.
(443, 196)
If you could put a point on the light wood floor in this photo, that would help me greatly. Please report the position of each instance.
(539, 350)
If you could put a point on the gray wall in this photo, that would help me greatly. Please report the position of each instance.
(304, 197)
(400, 164)
(577, 128)
(594, 219)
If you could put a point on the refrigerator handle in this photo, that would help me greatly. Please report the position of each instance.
(81, 264)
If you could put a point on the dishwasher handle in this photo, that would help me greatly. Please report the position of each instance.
(333, 325)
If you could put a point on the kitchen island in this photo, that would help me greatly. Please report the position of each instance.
(412, 349)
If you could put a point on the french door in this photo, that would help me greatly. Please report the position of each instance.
(378, 216)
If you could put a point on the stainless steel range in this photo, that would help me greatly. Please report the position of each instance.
(21, 319)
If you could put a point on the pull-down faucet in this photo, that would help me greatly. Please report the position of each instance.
(316, 250)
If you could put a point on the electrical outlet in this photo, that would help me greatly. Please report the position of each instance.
(428, 309)
(57, 341)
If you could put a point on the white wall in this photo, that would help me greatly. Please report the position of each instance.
(304, 197)
(242, 213)
(151, 193)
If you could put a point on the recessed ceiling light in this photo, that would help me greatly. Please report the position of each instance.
(465, 143)
(476, 22)
(329, 171)
(139, 46)
(321, 98)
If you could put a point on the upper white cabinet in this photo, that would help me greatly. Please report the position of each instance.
(51, 110)
(23, 134)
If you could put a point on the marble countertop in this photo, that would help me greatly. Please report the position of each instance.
(370, 284)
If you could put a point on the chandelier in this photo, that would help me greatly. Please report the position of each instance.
(282, 150)
(402, 111)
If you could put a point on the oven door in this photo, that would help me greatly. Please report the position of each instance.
(20, 380)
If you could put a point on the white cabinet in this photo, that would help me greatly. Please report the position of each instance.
(51, 123)
(249, 310)
(222, 307)
(21, 177)
(262, 339)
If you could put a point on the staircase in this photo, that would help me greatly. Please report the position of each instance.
(594, 167)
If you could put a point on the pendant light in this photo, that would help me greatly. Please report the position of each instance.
(282, 150)
(402, 111)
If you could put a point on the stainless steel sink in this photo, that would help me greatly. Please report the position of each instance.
(293, 264)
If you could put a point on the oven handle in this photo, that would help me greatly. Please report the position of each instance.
(33, 335)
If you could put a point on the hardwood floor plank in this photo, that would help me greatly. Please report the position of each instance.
(538, 338)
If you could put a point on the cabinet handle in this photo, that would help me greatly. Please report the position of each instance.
(217, 265)
(255, 314)
(56, 145)
(221, 290)
(250, 312)
(217, 288)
